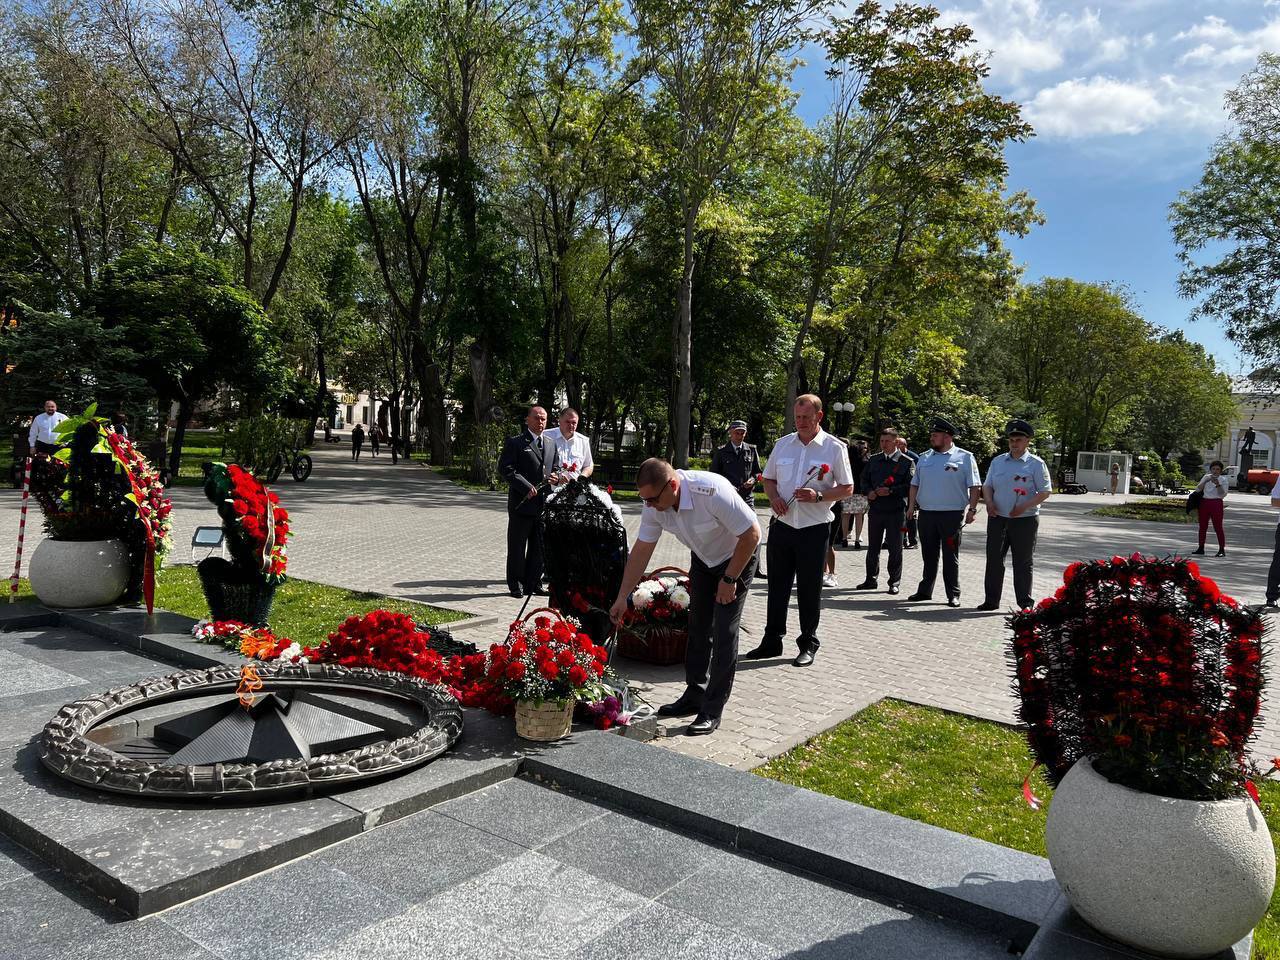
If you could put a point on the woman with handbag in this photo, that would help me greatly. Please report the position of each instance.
(1213, 491)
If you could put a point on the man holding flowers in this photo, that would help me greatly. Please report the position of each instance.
(706, 514)
(944, 492)
(807, 472)
(1017, 483)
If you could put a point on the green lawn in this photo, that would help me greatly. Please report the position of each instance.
(303, 611)
(954, 772)
(1159, 509)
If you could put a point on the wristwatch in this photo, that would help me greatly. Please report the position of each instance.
(725, 578)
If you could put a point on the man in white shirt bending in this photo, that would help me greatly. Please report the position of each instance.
(43, 437)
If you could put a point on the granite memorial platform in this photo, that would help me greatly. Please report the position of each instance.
(596, 846)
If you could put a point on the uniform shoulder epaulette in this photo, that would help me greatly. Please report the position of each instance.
(704, 490)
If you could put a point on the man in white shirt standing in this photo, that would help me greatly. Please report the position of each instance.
(807, 472)
(707, 515)
(574, 447)
(43, 437)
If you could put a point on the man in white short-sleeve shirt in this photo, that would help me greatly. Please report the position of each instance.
(574, 447)
(43, 437)
(706, 514)
(1273, 575)
(807, 472)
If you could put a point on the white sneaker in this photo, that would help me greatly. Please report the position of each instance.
(829, 580)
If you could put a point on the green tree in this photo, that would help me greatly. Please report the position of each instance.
(720, 86)
(191, 327)
(909, 116)
(1227, 227)
(1186, 401)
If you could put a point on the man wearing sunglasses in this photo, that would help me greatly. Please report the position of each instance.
(707, 515)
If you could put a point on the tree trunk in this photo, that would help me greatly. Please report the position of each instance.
(179, 437)
(683, 352)
(482, 405)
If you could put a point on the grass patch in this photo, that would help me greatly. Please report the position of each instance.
(303, 610)
(1158, 509)
(953, 772)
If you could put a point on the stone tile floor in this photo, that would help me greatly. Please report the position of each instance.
(407, 532)
(517, 870)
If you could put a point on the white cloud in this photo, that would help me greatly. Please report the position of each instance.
(1096, 106)
(1218, 44)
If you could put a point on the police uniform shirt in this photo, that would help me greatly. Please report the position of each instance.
(575, 451)
(709, 519)
(794, 464)
(1006, 476)
(942, 480)
(45, 428)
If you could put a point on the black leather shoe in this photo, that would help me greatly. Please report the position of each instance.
(702, 725)
(911, 545)
(920, 596)
(1198, 552)
(1271, 605)
(764, 651)
(894, 588)
(867, 585)
(1221, 553)
(804, 659)
(953, 601)
(680, 708)
(857, 545)
(538, 592)
(516, 592)
(986, 606)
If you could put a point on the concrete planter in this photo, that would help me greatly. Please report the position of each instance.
(1177, 878)
(79, 573)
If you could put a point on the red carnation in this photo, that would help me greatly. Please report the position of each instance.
(515, 670)
(549, 669)
(577, 675)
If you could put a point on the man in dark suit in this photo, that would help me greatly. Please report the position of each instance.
(886, 481)
(737, 461)
(528, 463)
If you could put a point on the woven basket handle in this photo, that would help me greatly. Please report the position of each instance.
(650, 576)
(533, 613)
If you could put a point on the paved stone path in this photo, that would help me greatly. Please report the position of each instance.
(407, 532)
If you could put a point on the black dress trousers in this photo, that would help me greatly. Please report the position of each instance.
(524, 551)
(940, 532)
(1016, 535)
(884, 528)
(800, 556)
(711, 658)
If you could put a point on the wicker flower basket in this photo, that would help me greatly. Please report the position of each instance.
(544, 719)
(660, 644)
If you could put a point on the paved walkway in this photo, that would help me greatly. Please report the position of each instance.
(407, 532)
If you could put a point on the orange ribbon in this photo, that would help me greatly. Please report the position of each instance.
(250, 682)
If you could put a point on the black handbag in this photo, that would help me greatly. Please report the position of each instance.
(1193, 500)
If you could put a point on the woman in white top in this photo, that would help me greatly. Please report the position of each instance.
(1212, 489)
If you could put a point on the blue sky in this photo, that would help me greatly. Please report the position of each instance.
(1126, 98)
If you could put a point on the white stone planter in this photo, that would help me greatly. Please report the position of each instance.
(1177, 878)
(79, 573)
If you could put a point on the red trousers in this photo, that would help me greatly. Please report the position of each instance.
(1212, 510)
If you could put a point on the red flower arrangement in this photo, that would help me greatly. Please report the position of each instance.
(262, 522)
(1145, 667)
(545, 660)
(821, 470)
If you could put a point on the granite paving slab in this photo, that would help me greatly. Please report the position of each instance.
(22, 675)
(16, 861)
(158, 861)
(420, 856)
(291, 912)
(1064, 936)
(85, 657)
(936, 869)
(683, 791)
(634, 853)
(41, 914)
(538, 906)
(658, 931)
(523, 812)
(487, 753)
(425, 931)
